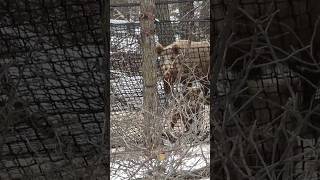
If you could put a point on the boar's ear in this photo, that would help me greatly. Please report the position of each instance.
(175, 49)
(159, 48)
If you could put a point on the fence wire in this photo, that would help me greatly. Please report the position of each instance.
(51, 106)
(258, 105)
(126, 61)
(51, 89)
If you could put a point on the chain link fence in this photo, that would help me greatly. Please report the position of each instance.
(51, 91)
(126, 58)
(266, 102)
(175, 20)
(51, 106)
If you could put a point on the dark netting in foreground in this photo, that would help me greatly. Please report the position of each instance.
(261, 109)
(52, 114)
(51, 106)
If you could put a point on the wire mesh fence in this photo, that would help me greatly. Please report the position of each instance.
(126, 57)
(51, 105)
(175, 21)
(51, 88)
(264, 90)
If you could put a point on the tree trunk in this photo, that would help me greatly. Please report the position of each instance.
(152, 125)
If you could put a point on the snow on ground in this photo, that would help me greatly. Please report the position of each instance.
(118, 21)
(193, 158)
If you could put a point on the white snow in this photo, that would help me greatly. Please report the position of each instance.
(117, 21)
(194, 158)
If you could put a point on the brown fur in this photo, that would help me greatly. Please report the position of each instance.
(183, 58)
(180, 60)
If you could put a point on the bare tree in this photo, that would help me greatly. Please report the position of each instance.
(150, 100)
(141, 146)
